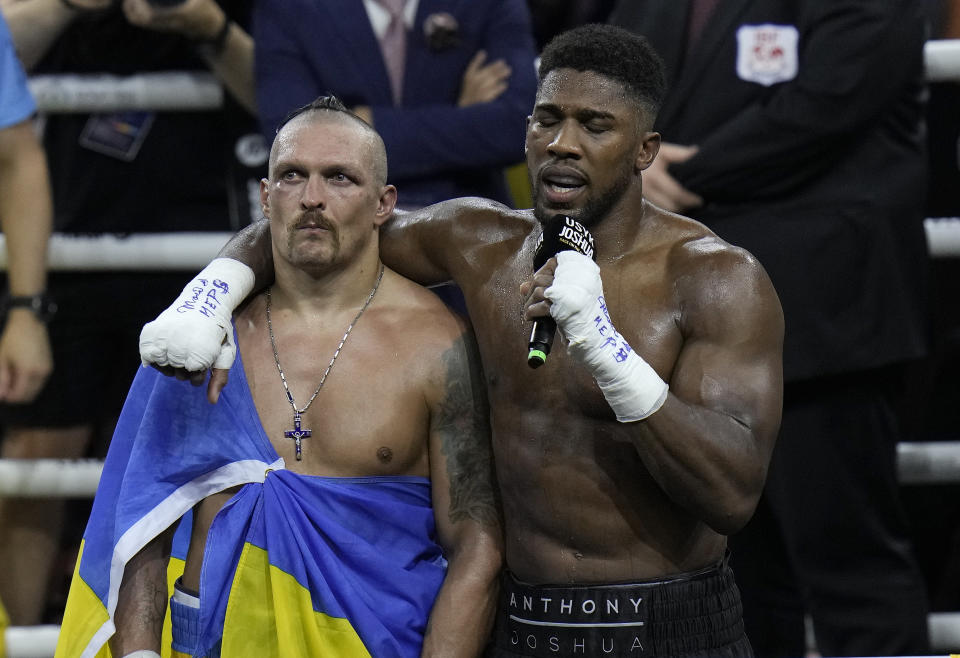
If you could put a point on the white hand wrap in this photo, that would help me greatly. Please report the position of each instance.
(632, 388)
(193, 333)
(142, 653)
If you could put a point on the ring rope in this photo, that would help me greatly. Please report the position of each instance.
(193, 250)
(935, 462)
(103, 92)
(941, 60)
(182, 90)
(131, 252)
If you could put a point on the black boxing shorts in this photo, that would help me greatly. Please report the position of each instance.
(692, 615)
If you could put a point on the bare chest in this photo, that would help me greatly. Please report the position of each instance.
(361, 416)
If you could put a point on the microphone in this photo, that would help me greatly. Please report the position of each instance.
(560, 233)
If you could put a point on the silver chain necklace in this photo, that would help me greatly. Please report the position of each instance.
(299, 433)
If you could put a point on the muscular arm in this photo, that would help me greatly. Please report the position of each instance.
(409, 244)
(142, 602)
(465, 506)
(707, 438)
(418, 244)
(426, 246)
(252, 247)
(415, 244)
(709, 445)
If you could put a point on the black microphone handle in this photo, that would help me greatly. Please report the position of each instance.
(541, 339)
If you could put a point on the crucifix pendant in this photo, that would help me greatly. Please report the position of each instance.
(297, 434)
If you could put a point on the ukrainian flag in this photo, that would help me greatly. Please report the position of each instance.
(294, 566)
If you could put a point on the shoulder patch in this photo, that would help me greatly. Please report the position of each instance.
(768, 53)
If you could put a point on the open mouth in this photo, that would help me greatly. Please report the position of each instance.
(562, 184)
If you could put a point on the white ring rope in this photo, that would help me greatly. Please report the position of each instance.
(935, 462)
(136, 251)
(193, 250)
(50, 478)
(941, 59)
(180, 90)
(928, 463)
(32, 641)
(102, 92)
(943, 236)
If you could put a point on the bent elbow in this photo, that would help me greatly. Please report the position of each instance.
(740, 500)
(734, 518)
(737, 509)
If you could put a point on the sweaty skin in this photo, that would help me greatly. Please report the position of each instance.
(405, 396)
(588, 499)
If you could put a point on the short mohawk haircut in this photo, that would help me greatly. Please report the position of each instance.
(330, 103)
(335, 105)
(613, 52)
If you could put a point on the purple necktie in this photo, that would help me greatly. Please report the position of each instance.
(393, 44)
(700, 13)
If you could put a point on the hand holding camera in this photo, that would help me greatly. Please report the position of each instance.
(199, 20)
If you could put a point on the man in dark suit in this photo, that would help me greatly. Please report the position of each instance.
(442, 140)
(794, 130)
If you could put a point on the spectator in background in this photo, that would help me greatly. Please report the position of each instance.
(26, 220)
(25, 217)
(448, 85)
(118, 172)
(794, 129)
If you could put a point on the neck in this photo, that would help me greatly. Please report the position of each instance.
(315, 295)
(617, 231)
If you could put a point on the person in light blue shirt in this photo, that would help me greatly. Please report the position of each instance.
(17, 105)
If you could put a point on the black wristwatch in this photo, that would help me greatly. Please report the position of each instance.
(41, 304)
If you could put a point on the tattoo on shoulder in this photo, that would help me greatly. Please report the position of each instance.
(464, 428)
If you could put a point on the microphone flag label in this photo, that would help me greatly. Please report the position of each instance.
(562, 233)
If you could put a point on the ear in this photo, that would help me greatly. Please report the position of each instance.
(265, 197)
(649, 147)
(385, 206)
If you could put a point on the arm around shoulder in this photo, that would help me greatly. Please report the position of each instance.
(428, 245)
(193, 334)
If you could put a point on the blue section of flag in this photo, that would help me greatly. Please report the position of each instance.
(364, 547)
